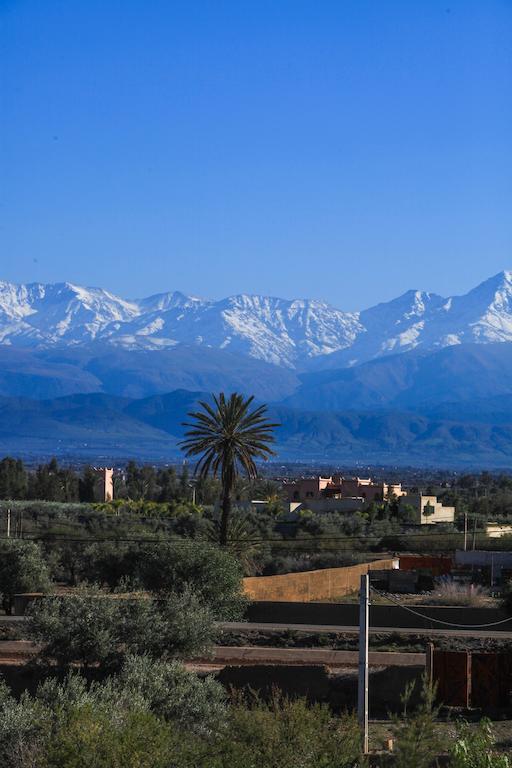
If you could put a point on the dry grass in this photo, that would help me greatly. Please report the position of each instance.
(449, 592)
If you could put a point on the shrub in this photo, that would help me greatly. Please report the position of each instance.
(165, 688)
(22, 569)
(24, 725)
(92, 627)
(449, 592)
(287, 734)
(473, 748)
(417, 739)
(212, 573)
(88, 738)
(173, 693)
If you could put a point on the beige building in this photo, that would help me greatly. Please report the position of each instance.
(428, 509)
(496, 530)
(104, 486)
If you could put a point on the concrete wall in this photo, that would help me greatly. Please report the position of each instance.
(382, 616)
(313, 505)
(329, 505)
(325, 584)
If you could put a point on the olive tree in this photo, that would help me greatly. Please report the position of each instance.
(22, 569)
(93, 627)
(213, 574)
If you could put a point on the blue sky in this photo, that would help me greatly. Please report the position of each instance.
(345, 150)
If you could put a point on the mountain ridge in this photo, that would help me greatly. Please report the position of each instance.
(300, 334)
(110, 428)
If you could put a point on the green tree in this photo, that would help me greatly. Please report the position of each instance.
(141, 482)
(22, 569)
(93, 627)
(13, 479)
(51, 483)
(228, 437)
(185, 490)
(167, 483)
(170, 691)
(418, 742)
(212, 573)
(87, 485)
(110, 563)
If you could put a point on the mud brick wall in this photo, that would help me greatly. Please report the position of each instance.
(325, 584)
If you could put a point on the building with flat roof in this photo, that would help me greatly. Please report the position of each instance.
(428, 510)
(319, 488)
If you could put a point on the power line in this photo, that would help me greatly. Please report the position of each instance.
(439, 621)
(260, 540)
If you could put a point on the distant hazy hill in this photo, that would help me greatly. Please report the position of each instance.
(46, 373)
(414, 380)
(97, 426)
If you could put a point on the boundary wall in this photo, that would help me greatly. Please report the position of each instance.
(381, 616)
(308, 586)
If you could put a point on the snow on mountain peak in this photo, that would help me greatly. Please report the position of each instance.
(291, 333)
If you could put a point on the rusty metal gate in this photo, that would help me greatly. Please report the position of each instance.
(466, 679)
(491, 679)
(451, 671)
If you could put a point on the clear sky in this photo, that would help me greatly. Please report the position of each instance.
(338, 149)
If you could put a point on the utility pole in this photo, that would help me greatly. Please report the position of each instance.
(465, 531)
(362, 698)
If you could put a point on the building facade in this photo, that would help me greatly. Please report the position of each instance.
(337, 487)
(428, 510)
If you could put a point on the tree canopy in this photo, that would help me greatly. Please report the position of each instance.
(22, 569)
(228, 437)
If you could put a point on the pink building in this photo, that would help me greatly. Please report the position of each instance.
(337, 487)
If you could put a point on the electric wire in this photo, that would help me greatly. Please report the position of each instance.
(256, 540)
(439, 621)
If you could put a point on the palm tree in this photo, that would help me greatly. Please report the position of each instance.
(229, 437)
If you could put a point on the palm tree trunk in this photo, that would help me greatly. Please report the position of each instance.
(227, 488)
(226, 514)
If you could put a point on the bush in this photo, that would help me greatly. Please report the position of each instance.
(173, 693)
(165, 688)
(24, 725)
(160, 716)
(473, 748)
(449, 592)
(93, 627)
(214, 575)
(22, 569)
(287, 734)
(417, 739)
(88, 738)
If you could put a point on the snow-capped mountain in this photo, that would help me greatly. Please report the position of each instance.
(41, 315)
(277, 331)
(295, 334)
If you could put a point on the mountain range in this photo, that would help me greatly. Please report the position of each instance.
(299, 334)
(101, 427)
(419, 379)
